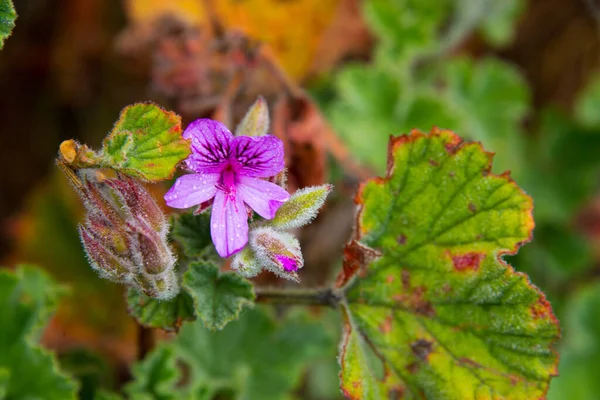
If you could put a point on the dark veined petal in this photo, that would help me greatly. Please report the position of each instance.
(192, 189)
(211, 145)
(259, 157)
(263, 197)
(228, 224)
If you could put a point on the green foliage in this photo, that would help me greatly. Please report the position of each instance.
(193, 232)
(436, 307)
(28, 297)
(218, 297)
(163, 314)
(7, 20)
(588, 104)
(156, 377)
(251, 358)
(145, 143)
(499, 20)
(580, 352)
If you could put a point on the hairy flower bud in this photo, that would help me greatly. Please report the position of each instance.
(245, 263)
(277, 251)
(125, 234)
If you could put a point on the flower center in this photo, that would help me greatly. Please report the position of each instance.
(227, 181)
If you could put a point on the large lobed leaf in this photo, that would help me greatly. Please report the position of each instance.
(431, 308)
(28, 297)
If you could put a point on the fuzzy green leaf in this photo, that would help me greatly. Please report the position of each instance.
(443, 315)
(252, 358)
(146, 142)
(193, 232)
(7, 20)
(28, 297)
(218, 297)
(163, 314)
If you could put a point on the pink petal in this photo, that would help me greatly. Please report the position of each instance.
(211, 142)
(192, 189)
(228, 224)
(258, 157)
(263, 197)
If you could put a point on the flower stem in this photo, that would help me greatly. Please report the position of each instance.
(313, 297)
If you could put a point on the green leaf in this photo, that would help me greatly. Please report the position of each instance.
(193, 232)
(28, 297)
(7, 20)
(146, 143)
(406, 28)
(106, 395)
(252, 358)
(490, 100)
(218, 297)
(588, 104)
(163, 314)
(578, 369)
(156, 377)
(498, 25)
(435, 303)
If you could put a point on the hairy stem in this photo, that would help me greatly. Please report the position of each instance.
(313, 297)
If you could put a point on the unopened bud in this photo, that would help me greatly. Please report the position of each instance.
(301, 208)
(137, 202)
(245, 263)
(277, 251)
(125, 235)
(256, 120)
(102, 258)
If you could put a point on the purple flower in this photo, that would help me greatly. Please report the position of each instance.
(229, 169)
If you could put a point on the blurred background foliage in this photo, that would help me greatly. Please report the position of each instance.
(521, 76)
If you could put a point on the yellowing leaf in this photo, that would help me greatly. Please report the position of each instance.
(432, 310)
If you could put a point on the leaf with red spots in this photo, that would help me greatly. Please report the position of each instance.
(432, 310)
(146, 143)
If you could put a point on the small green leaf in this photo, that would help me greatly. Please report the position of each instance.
(163, 314)
(218, 297)
(433, 300)
(28, 298)
(146, 143)
(301, 208)
(7, 20)
(193, 232)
